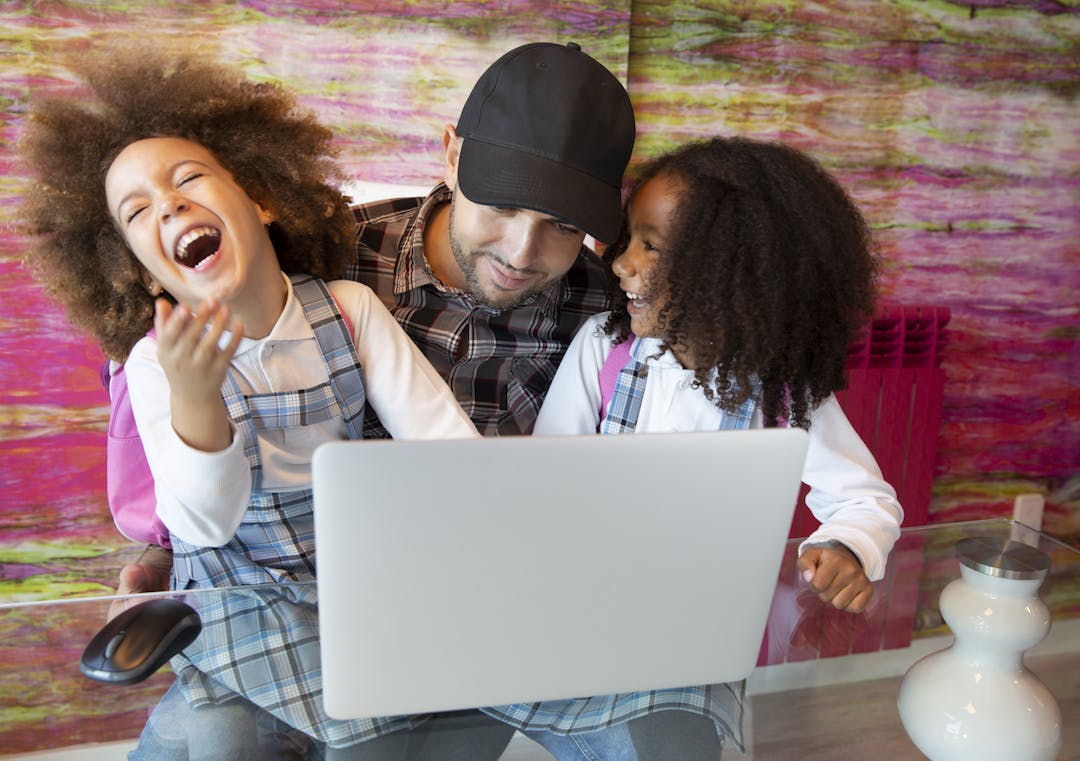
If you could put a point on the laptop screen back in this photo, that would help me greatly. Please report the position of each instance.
(458, 574)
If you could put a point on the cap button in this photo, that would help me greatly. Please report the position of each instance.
(573, 46)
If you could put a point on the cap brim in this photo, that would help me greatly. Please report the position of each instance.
(496, 176)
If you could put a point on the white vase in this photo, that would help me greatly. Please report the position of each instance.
(975, 700)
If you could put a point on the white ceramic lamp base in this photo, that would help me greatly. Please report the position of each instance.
(975, 700)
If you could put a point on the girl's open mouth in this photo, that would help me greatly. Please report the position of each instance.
(196, 246)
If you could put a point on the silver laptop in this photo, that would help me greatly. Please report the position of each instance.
(459, 574)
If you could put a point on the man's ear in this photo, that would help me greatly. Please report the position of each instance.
(452, 147)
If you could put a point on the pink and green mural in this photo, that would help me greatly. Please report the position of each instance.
(955, 125)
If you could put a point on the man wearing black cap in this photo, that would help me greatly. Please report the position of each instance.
(490, 277)
(489, 274)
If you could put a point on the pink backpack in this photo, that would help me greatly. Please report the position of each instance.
(128, 483)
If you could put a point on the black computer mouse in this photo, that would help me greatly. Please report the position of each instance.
(138, 641)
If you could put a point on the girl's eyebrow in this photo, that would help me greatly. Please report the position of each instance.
(645, 227)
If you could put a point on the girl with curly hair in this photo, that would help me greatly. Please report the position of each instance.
(185, 215)
(746, 272)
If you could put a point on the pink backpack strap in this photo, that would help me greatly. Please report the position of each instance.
(344, 317)
(609, 371)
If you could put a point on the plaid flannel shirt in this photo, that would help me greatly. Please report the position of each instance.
(498, 362)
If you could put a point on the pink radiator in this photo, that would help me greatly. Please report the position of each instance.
(893, 399)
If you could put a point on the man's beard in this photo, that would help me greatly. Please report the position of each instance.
(467, 263)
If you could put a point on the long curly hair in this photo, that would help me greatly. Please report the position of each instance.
(277, 152)
(771, 274)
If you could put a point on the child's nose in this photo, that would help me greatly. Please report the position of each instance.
(621, 265)
(170, 205)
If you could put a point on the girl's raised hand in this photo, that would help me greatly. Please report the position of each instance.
(195, 366)
(188, 345)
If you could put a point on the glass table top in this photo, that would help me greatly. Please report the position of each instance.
(812, 657)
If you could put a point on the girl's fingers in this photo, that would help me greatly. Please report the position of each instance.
(162, 310)
(171, 323)
(211, 339)
(194, 335)
(234, 341)
(218, 321)
(201, 317)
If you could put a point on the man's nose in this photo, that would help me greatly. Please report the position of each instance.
(522, 243)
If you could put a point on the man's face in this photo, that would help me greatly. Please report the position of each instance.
(509, 254)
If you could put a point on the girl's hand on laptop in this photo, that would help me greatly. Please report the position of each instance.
(837, 576)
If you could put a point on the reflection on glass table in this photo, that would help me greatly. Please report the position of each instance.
(825, 681)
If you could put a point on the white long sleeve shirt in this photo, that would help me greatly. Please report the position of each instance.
(202, 496)
(847, 493)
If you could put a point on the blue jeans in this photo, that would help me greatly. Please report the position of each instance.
(234, 731)
(610, 744)
(667, 735)
(660, 736)
(241, 731)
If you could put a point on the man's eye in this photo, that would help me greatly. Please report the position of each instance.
(566, 229)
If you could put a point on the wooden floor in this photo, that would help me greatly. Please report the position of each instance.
(860, 720)
(857, 720)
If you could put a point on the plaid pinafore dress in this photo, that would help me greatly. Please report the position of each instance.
(263, 643)
(722, 703)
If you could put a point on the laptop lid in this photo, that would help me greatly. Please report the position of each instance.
(459, 574)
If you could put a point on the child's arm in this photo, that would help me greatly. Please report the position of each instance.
(195, 367)
(858, 510)
(406, 392)
(833, 571)
(150, 573)
(572, 404)
(201, 492)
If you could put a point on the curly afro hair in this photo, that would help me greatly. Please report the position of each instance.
(772, 275)
(278, 153)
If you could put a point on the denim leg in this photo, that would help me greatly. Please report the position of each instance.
(450, 736)
(393, 747)
(666, 735)
(609, 744)
(164, 736)
(460, 736)
(234, 731)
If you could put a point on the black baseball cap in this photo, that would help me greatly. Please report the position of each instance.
(548, 128)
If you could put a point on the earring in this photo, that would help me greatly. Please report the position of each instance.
(154, 287)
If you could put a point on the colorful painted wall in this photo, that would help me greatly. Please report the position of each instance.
(956, 126)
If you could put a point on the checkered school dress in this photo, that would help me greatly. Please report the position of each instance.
(264, 643)
(722, 703)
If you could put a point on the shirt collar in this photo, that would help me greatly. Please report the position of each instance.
(291, 324)
(645, 350)
(413, 270)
